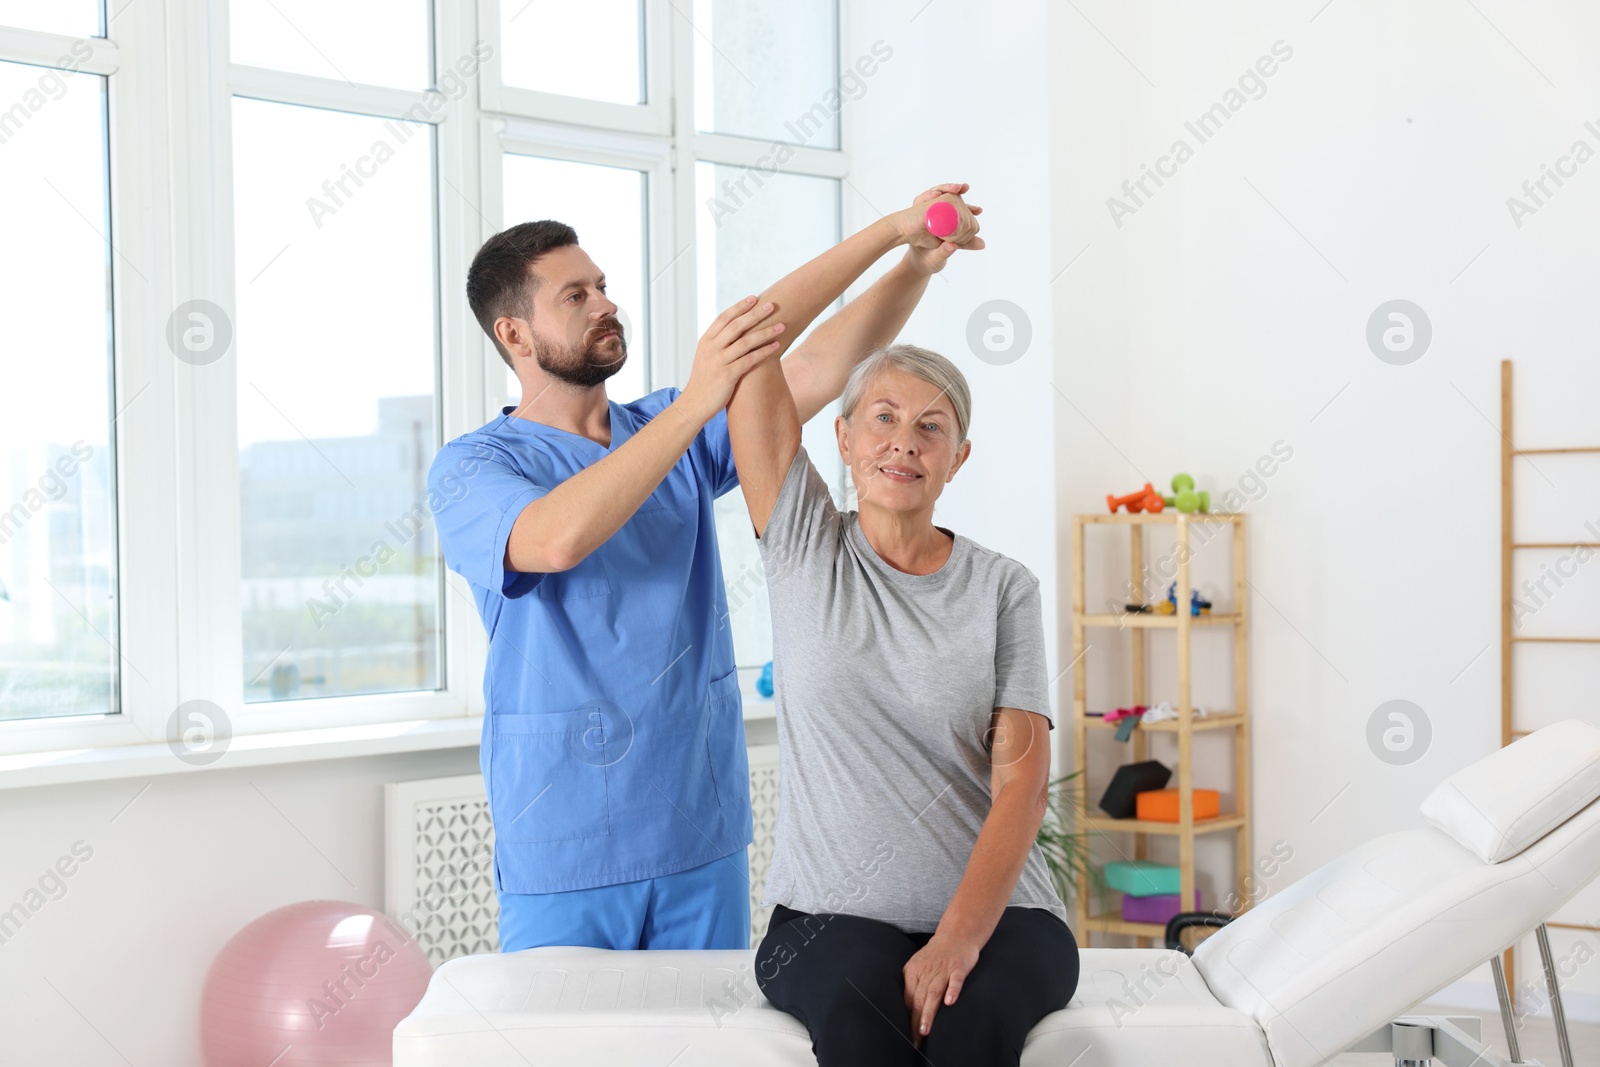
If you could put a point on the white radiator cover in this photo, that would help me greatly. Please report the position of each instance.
(439, 865)
(439, 874)
(764, 813)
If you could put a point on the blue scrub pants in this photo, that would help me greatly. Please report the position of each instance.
(703, 907)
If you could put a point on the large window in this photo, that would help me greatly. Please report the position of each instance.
(76, 18)
(235, 333)
(355, 41)
(768, 71)
(342, 587)
(58, 558)
(593, 50)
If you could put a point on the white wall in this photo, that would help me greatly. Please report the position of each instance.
(964, 98)
(178, 865)
(1231, 310)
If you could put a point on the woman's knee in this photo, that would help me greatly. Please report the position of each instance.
(1037, 957)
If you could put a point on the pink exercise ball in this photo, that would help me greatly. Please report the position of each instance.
(318, 983)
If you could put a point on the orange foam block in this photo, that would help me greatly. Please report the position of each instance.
(1161, 805)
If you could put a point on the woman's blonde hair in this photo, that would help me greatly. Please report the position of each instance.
(921, 363)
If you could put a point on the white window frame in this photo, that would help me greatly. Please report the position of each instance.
(144, 383)
(176, 446)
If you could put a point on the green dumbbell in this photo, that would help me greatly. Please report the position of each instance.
(1185, 498)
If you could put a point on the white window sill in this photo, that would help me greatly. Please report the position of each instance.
(252, 750)
(65, 766)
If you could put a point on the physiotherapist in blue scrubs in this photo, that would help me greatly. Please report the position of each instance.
(613, 742)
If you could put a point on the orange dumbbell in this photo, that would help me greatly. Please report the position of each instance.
(1146, 499)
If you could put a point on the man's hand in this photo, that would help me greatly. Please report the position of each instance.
(934, 976)
(560, 529)
(737, 340)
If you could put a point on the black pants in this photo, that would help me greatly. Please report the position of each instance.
(840, 976)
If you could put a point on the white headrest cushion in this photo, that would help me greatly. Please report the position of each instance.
(1508, 800)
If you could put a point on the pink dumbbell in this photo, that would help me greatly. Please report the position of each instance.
(942, 218)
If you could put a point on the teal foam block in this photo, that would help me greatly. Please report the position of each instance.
(1141, 878)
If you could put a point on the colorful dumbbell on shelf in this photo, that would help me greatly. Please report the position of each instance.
(1186, 498)
(1146, 499)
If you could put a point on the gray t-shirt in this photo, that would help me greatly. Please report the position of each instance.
(886, 683)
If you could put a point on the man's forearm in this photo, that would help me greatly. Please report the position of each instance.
(556, 532)
(818, 369)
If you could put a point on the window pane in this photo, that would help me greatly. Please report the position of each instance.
(367, 42)
(606, 206)
(593, 49)
(75, 18)
(742, 250)
(336, 348)
(58, 559)
(769, 71)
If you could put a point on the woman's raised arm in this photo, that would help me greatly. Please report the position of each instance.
(818, 367)
(764, 428)
(764, 416)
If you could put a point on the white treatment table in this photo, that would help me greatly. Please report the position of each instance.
(1325, 965)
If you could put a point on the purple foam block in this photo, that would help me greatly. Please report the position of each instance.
(1154, 909)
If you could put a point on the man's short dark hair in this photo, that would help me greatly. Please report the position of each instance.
(499, 282)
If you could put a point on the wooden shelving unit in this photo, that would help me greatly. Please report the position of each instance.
(1237, 719)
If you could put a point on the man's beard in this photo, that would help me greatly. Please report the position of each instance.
(584, 364)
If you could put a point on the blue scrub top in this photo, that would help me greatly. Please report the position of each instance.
(613, 742)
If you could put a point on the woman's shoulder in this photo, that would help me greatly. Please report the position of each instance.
(1009, 574)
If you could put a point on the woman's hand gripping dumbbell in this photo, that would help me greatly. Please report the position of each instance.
(937, 223)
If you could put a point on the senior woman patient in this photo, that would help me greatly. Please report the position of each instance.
(914, 918)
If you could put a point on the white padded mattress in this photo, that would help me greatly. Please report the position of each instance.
(559, 1006)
